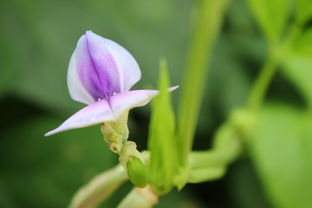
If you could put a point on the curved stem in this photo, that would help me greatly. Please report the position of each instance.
(99, 188)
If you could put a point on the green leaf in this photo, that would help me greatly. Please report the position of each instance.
(303, 10)
(162, 140)
(281, 148)
(298, 65)
(271, 16)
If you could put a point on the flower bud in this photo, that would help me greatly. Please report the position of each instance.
(137, 172)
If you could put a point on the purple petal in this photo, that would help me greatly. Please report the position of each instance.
(102, 67)
(96, 67)
(101, 111)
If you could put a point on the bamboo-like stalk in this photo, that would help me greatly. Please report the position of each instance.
(208, 20)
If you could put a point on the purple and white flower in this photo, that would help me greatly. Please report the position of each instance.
(100, 74)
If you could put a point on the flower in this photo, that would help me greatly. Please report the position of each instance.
(100, 74)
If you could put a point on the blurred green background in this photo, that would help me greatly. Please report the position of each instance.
(37, 38)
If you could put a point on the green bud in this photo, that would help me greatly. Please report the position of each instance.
(137, 171)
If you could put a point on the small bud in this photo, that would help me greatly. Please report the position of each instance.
(137, 172)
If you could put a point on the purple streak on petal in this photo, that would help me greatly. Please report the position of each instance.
(99, 68)
(96, 67)
(95, 113)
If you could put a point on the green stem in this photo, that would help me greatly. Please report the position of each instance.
(208, 21)
(278, 52)
(261, 85)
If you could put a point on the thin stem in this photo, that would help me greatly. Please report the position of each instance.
(277, 54)
(208, 21)
(261, 85)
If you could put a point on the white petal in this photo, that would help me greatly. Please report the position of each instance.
(101, 111)
(131, 99)
(95, 113)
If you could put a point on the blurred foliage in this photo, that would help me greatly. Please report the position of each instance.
(299, 64)
(283, 153)
(40, 172)
(37, 38)
(271, 15)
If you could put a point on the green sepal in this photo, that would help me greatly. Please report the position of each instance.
(162, 142)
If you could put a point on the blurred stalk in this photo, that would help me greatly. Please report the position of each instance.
(277, 54)
(208, 20)
(99, 189)
(139, 198)
(261, 85)
(227, 146)
(230, 137)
